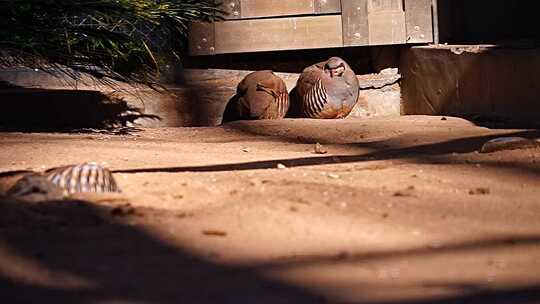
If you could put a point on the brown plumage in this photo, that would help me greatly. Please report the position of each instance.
(260, 95)
(327, 89)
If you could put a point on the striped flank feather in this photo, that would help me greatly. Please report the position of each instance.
(85, 177)
(282, 101)
(315, 100)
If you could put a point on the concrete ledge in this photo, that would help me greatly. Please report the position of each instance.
(470, 80)
(199, 101)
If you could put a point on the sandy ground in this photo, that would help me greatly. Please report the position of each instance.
(399, 210)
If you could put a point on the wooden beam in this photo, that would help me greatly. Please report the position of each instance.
(246, 9)
(355, 22)
(278, 34)
(201, 38)
(419, 22)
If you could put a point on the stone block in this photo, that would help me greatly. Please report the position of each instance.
(471, 80)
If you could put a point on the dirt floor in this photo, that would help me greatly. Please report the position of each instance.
(399, 210)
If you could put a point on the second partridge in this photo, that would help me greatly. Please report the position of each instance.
(327, 89)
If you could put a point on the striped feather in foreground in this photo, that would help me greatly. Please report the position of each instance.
(85, 177)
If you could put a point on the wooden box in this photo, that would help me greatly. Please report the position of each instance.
(271, 25)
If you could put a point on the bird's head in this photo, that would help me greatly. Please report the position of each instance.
(335, 67)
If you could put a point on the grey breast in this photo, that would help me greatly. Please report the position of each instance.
(85, 177)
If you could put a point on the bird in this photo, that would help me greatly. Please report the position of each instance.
(260, 95)
(327, 89)
(55, 183)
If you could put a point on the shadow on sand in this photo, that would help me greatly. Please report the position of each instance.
(44, 110)
(78, 252)
(432, 153)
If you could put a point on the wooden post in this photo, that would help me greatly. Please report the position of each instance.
(355, 22)
(419, 21)
(373, 22)
(202, 38)
(386, 22)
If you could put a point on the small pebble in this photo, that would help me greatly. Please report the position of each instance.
(332, 175)
(401, 194)
(319, 149)
(281, 166)
(479, 191)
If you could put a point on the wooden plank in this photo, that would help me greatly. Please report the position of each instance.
(201, 38)
(419, 22)
(278, 34)
(355, 22)
(272, 8)
(327, 6)
(232, 8)
(246, 9)
(386, 22)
